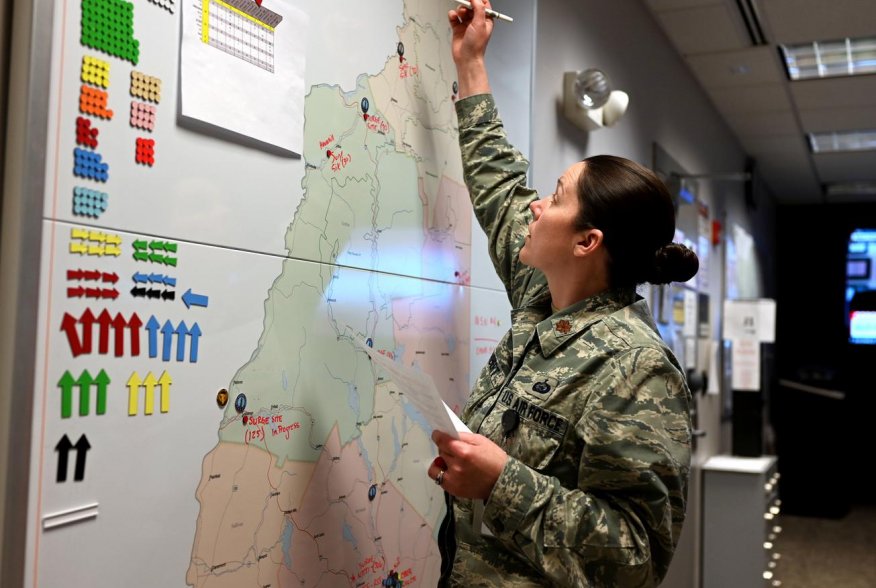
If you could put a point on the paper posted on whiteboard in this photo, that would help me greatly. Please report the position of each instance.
(420, 391)
(242, 68)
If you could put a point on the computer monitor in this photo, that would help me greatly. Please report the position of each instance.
(861, 287)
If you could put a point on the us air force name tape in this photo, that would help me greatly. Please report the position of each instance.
(544, 419)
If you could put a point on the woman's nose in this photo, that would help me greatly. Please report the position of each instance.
(535, 207)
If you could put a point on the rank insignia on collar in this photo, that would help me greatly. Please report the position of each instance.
(563, 326)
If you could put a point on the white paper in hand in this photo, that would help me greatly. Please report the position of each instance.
(420, 391)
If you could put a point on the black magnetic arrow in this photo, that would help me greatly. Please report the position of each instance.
(82, 446)
(63, 448)
(135, 291)
(168, 295)
(153, 293)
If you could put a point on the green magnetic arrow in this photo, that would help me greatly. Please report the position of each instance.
(84, 383)
(157, 245)
(66, 383)
(170, 260)
(170, 247)
(102, 380)
(140, 245)
(156, 258)
(141, 256)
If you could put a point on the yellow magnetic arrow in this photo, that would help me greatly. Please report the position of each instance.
(97, 236)
(133, 392)
(165, 381)
(79, 233)
(95, 250)
(112, 250)
(114, 239)
(79, 248)
(149, 384)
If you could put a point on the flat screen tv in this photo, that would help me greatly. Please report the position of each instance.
(861, 287)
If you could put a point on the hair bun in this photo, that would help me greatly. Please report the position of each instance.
(674, 263)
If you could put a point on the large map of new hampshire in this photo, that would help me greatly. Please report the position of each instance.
(318, 477)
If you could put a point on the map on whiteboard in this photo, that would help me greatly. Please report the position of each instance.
(319, 473)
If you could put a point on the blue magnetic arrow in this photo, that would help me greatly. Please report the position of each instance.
(152, 327)
(196, 334)
(194, 299)
(138, 277)
(167, 340)
(181, 330)
(168, 281)
(156, 278)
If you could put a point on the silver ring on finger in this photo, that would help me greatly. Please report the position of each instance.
(439, 479)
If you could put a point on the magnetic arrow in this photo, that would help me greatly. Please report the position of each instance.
(181, 331)
(112, 250)
(138, 292)
(156, 258)
(82, 446)
(68, 325)
(97, 236)
(113, 239)
(87, 321)
(119, 324)
(170, 261)
(75, 274)
(96, 250)
(84, 383)
(193, 350)
(153, 293)
(157, 245)
(156, 278)
(79, 234)
(91, 275)
(141, 278)
(66, 384)
(134, 324)
(165, 381)
(168, 246)
(191, 299)
(140, 245)
(168, 295)
(141, 256)
(167, 340)
(92, 292)
(168, 281)
(110, 278)
(149, 384)
(109, 293)
(102, 380)
(104, 320)
(77, 292)
(133, 393)
(80, 248)
(63, 448)
(152, 327)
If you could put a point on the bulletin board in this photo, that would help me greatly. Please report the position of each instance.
(217, 199)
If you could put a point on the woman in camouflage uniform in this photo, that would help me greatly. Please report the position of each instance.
(576, 473)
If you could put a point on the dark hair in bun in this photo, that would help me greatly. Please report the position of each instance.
(634, 211)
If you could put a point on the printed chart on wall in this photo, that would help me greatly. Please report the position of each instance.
(203, 414)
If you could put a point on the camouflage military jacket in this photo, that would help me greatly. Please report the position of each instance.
(593, 492)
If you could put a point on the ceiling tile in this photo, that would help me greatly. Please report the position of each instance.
(835, 92)
(705, 29)
(846, 167)
(838, 119)
(755, 65)
(803, 21)
(789, 145)
(778, 122)
(746, 99)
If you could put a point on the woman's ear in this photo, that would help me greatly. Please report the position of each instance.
(589, 241)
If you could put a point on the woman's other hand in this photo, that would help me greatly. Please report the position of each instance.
(471, 464)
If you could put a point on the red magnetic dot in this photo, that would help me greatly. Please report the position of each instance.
(365, 116)
(245, 419)
(328, 153)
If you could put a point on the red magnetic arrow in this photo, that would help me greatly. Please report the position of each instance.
(68, 325)
(91, 275)
(109, 293)
(111, 278)
(87, 321)
(74, 274)
(134, 324)
(104, 320)
(76, 292)
(119, 324)
(92, 292)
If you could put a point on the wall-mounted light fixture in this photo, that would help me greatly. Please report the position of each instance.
(589, 102)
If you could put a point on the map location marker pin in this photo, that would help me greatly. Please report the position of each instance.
(401, 51)
(364, 105)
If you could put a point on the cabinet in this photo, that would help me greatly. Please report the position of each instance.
(740, 522)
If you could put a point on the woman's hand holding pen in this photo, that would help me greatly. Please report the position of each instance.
(471, 32)
(467, 467)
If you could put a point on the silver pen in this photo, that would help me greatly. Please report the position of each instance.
(490, 12)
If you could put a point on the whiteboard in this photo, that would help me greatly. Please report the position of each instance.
(204, 272)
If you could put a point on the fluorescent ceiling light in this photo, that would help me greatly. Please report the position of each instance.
(842, 141)
(822, 59)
